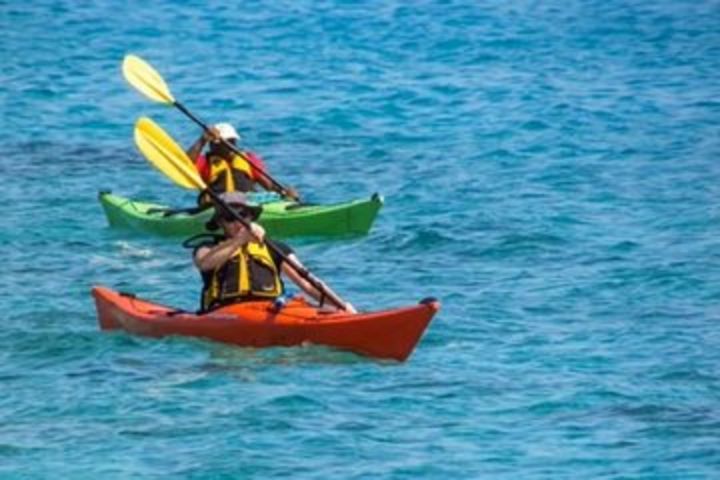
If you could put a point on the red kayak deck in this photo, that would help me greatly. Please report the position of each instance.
(389, 334)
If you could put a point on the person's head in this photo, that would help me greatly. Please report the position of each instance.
(241, 205)
(228, 133)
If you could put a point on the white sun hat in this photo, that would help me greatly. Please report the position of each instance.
(227, 131)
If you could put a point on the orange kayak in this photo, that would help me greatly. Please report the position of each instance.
(389, 334)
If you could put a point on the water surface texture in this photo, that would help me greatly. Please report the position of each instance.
(551, 173)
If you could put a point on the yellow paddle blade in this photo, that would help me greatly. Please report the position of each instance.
(146, 79)
(166, 155)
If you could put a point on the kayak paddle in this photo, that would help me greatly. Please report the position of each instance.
(167, 156)
(148, 81)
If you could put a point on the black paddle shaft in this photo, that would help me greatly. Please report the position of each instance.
(305, 274)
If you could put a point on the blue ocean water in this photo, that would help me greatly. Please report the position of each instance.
(551, 174)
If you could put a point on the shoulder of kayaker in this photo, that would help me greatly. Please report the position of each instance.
(258, 170)
(203, 167)
(257, 164)
(202, 256)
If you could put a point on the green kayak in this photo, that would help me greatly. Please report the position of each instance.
(280, 218)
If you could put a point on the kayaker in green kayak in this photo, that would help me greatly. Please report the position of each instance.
(236, 267)
(224, 170)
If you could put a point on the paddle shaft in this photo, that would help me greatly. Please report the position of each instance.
(282, 190)
(300, 270)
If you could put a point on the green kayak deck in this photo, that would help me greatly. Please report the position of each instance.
(280, 218)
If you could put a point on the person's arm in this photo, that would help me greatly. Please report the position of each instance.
(264, 182)
(270, 187)
(307, 287)
(209, 258)
(257, 164)
(196, 148)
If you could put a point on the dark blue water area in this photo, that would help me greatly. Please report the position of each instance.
(550, 172)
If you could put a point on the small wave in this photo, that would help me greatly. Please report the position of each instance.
(130, 251)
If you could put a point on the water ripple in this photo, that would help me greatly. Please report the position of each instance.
(549, 172)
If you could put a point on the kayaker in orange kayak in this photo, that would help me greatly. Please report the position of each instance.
(238, 266)
(224, 170)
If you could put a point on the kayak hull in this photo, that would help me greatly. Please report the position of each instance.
(279, 218)
(388, 334)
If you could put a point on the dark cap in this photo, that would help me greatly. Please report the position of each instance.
(237, 201)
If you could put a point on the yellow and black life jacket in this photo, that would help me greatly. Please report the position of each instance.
(249, 275)
(228, 176)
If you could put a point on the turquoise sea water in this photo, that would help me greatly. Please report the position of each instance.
(551, 173)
